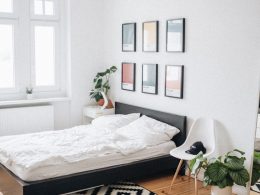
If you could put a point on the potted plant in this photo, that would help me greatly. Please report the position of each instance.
(102, 86)
(29, 91)
(256, 168)
(223, 172)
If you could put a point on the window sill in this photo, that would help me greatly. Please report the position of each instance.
(33, 101)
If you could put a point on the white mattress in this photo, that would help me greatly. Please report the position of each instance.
(51, 171)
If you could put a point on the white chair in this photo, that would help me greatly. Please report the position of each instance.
(201, 130)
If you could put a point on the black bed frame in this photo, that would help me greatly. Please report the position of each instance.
(10, 184)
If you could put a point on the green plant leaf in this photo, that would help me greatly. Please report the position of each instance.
(196, 163)
(98, 97)
(234, 163)
(256, 168)
(239, 151)
(207, 181)
(98, 84)
(216, 171)
(257, 158)
(234, 152)
(240, 177)
(255, 176)
(227, 181)
(101, 74)
(113, 68)
(107, 71)
(196, 166)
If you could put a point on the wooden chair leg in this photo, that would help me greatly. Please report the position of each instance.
(189, 174)
(196, 185)
(176, 174)
(196, 182)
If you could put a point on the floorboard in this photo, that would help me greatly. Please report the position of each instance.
(160, 185)
(182, 186)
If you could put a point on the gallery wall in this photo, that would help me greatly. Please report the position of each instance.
(221, 62)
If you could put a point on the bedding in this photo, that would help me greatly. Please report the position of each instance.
(114, 121)
(27, 154)
(148, 130)
(87, 164)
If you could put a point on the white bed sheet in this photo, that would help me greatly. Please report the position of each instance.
(51, 171)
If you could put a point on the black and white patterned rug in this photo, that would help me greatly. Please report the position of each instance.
(120, 188)
(256, 187)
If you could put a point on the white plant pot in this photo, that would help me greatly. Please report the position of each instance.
(215, 190)
(29, 96)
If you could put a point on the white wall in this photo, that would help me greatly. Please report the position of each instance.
(222, 62)
(86, 59)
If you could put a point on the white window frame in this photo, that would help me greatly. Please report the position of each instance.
(10, 15)
(56, 55)
(56, 12)
(14, 23)
(23, 19)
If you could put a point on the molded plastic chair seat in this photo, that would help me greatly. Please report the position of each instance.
(178, 153)
(201, 130)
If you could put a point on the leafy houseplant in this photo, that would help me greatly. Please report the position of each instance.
(256, 168)
(222, 172)
(101, 83)
(29, 92)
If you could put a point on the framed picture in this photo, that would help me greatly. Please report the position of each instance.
(128, 76)
(129, 37)
(174, 81)
(150, 36)
(150, 78)
(175, 37)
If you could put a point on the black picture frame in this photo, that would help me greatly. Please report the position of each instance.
(156, 41)
(149, 89)
(178, 26)
(170, 92)
(127, 86)
(133, 37)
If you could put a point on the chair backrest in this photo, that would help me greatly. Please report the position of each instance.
(203, 130)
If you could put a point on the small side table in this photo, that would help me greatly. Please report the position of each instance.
(93, 112)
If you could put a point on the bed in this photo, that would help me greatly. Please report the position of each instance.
(136, 166)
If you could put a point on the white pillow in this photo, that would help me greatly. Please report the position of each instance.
(149, 131)
(114, 121)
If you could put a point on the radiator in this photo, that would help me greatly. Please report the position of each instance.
(26, 119)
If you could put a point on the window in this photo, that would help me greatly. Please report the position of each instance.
(44, 8)
(33, 48)
(6, 6)
(44, 37)
(38, 7)
(6, 56)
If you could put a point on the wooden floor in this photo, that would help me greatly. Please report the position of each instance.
(182, 186)
(159, 185)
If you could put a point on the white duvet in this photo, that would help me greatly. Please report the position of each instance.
(55, 147)
(31, 152)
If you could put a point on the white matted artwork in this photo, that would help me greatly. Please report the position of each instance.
(128, 76)
(175, 35)
(174, 81)
(150, 78)
(150, 36)
(129, 37)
